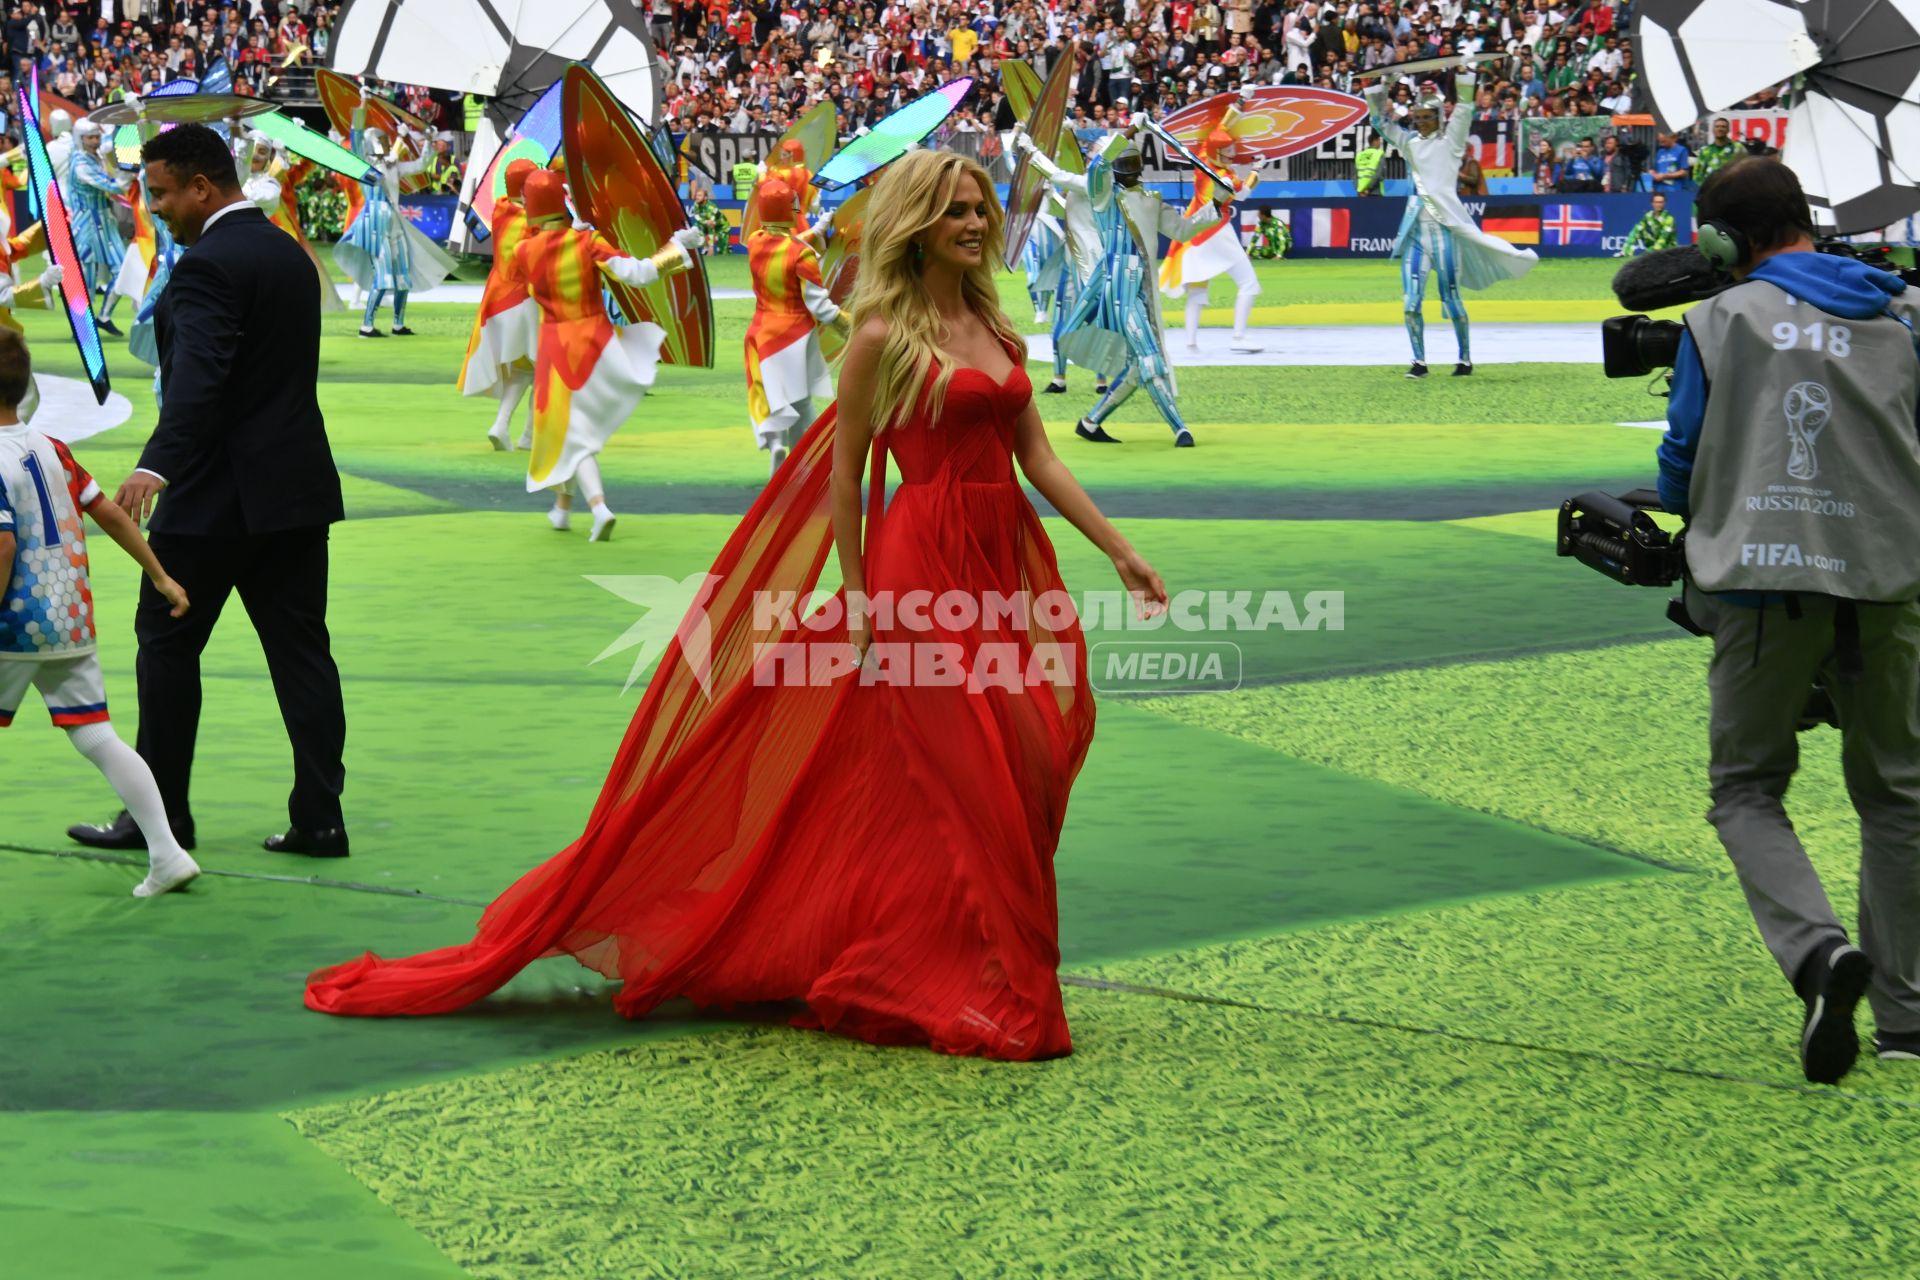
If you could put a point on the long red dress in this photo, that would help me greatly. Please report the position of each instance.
(881, 850)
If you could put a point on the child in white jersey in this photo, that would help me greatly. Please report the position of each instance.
(46, 609)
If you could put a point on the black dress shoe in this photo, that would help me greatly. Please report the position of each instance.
(328, 843)
(401, 331)
(122, 833)
(107, 326)
(372, 333)
(1094, 432)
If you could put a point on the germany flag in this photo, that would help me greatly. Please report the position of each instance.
(1514, 223)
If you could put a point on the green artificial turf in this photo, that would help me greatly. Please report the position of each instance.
(1179, 1140)
(1451, 853)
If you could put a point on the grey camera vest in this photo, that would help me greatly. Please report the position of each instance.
(1807, 477)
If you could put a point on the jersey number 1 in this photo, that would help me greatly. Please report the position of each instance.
(52, 533)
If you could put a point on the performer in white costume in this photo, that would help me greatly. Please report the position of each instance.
(1438, 234)
(1217, 250)
(60, 153)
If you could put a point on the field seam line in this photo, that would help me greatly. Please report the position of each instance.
(1382, 1024)
(314, 882)
(1098, 984)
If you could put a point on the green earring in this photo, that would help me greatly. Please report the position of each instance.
(919, 253)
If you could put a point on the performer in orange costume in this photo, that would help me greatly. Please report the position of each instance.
(790, 167)
(506, 333)
(1190, 264)
(588, 376)
(785, 366)
(13, 248)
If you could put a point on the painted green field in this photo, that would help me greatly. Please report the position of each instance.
(1411, 955)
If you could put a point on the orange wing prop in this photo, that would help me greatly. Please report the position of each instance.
(818, 132)
(840, 264)
(1271, 122)
(340, 96)
(620, 188)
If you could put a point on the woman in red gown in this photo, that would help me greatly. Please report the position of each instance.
(855, 807)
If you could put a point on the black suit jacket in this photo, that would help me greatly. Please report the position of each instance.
(241, 443)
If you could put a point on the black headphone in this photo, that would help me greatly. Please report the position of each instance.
(1723, 244)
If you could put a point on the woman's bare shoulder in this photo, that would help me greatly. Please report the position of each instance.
(871, 331)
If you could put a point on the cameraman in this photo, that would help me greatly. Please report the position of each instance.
(1792, 446)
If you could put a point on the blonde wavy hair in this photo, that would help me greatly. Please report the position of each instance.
(912, 195)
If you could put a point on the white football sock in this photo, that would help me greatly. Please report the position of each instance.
(1196, 301)
(131, 780)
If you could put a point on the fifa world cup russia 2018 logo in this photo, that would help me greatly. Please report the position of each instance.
(1809, 409)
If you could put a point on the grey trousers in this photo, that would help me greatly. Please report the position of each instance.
(1763, 666)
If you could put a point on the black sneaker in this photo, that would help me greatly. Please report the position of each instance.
(1464, 369)
(1093, 431)
(1831, 983)
(1054, 389)
(107, 326)
(372, 333)
(1183, 439)
(1897, 1046)
(1418, 370)
(401, 331)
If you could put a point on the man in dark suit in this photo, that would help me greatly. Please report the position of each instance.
(245, 484)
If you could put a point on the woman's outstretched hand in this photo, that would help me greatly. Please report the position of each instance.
(1142, 583)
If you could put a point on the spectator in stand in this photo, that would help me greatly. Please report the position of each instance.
(1561, 75)
(1607, 59)
(1584, 170)
(1473, 180)
(1672, 164)
(1622, 174)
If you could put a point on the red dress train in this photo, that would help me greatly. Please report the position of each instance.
(882, 851)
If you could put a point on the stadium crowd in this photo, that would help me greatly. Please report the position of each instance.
(753, 66)
(97, 50)
(749, 65)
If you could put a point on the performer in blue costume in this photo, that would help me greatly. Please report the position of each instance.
(96, 233)
(142, 345)
(1043, 257)
(142, 279)
(1077, 258)
(383, 252)
(1114, 325)
(1437, 234)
